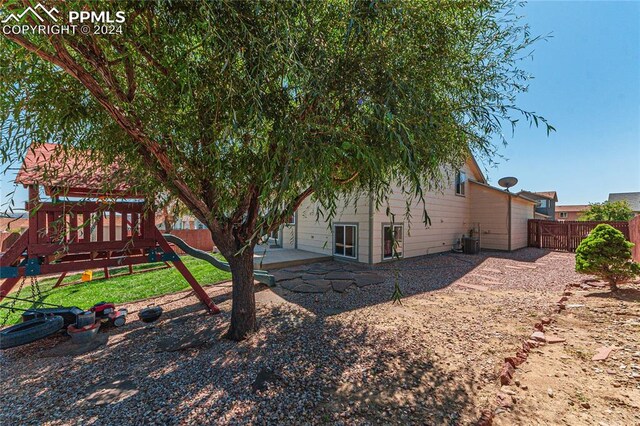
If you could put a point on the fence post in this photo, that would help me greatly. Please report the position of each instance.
(634, 236)
(569, 237)
(539, 234)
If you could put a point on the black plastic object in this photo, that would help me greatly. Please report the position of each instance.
(69, 314)
(86, 318)
(150, 314)
(30, 331)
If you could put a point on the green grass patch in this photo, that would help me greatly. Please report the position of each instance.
(126, 288)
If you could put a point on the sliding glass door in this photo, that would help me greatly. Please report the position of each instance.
(345, 240)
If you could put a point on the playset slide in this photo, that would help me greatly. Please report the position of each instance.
(260, 275)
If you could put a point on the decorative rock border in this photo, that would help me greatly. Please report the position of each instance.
(504, 400)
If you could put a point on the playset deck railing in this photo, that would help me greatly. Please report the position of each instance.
(66, 236)
(78, 227)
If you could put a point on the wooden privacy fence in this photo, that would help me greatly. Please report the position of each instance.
(634, 236)
(567, 235)
(196, 238)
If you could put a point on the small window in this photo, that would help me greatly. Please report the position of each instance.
(564, 215)
(461, 179)
(543, 204)
(392, 241)
(291, 220)
(345, 240)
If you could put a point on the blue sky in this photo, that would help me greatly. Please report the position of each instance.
(587, 84)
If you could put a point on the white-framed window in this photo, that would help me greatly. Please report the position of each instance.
(345, 240)
(291, 220)
(543, 204)
(392, 241)
(461, 179)
(564, 215)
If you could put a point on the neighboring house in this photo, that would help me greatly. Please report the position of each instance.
(633, 198)
(570, 212)
(546, 203)
(10, 228)
(17, 223)
(184, 222)
(466, 205)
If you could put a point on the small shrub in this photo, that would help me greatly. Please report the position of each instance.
(606, 254)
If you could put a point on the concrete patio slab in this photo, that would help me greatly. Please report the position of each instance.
(274, 258)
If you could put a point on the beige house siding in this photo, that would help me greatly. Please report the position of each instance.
(450, 219)
(317, 236)
(521, 212)
(491, 210)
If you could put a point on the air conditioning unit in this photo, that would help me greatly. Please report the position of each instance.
(471, 245)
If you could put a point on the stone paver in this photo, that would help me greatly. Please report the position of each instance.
(328, 276)
(339, 275)
(285, 275)
(602, 354)
(341, 285)
(314, 288)
(317, 271)
(363, 280)
(291, 285)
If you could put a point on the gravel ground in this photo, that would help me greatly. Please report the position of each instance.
(332, 358)
(562, 383)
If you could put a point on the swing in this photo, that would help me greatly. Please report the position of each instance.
(41, 325)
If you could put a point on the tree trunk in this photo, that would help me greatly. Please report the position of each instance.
(168, 224)
(243, 309)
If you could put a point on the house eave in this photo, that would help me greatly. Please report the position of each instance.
(502, 191)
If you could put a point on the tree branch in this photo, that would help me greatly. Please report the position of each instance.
(148, 149)
(292, 208)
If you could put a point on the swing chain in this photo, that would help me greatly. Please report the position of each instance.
(12, 304)
(36, 294)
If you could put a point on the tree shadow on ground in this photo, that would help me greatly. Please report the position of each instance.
(414, 276)
(322, 372)
(626, 294)
(321, 369)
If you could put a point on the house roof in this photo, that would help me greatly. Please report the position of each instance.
(572, 208)
(73, 174)
(505, 192)
(478, 170)
(550, 195)
(633, 198)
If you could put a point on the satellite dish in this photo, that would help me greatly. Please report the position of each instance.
(508, 182)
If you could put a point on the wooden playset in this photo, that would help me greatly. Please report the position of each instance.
(92, 232)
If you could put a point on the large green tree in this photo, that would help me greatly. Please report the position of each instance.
(243, 109)
(609, 210)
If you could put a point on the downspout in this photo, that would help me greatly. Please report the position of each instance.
(370, 228)
(295, 231)
(509, 223)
